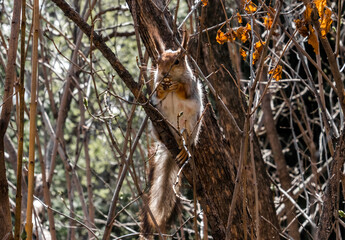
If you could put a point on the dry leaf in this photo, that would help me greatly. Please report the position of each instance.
(243, 54)
(240, 31)
(259, 45)
(221, 38)
(301, 27)
(204, 2)
(231, 34)
(326, 22)
(268, 20)
(277, 72)
(239, 18)
(249, 6)
(320, 5)
(257, 50)
(307, 12)
(312, 39)
(248, 27)
(243, 33)
(224, 37)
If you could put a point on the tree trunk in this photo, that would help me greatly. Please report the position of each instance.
(215, 58)
(216, 158)
(5, 213)
(330, 214)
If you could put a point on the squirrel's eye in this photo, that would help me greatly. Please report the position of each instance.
(177, 62)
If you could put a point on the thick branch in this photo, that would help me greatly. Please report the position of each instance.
(5, 214)
(280, 161)
(330, 201)
(127, 78)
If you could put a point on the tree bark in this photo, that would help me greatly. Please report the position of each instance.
(216, 174)
(5, 213)
(215, 58)
(329, 214)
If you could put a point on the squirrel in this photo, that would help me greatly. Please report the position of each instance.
(176, 90)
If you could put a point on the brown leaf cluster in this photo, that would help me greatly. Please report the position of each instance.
(304, 25)
(277, 72)
(241, 33)
(258, 47)
(249, 6)
(243, 53)
(268, 20)
(239, 17)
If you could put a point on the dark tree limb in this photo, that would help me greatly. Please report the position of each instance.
(5, 214)
(127, 78)
(330, 208)
(280, 161)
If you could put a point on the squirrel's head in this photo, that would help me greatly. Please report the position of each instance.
(170, 63)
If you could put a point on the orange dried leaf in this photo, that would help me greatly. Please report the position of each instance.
(243, 33)
(224, 37)
(244, 37)
(240, 31)
(326, 22)
(258, 47)
(221, 38)
(320, 5)
(277, 72)
(268, 22)
(256, 56)
(248, 27)
(249, 7)
(312, 40)
(301, 27)
(243, 54)
(239, 18)
(307, 12)
(231, 34)
(204, 3)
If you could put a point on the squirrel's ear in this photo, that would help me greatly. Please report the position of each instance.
(185, 38)
(159, 46)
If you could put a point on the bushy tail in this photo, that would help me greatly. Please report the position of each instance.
(162, 198)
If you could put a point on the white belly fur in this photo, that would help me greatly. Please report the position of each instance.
(172, 105)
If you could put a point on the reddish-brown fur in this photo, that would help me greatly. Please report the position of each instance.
(177, 90)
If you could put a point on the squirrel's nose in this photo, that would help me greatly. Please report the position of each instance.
(165, 74)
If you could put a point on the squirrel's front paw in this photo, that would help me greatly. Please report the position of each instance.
(169, 85)
(162, 89)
